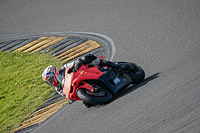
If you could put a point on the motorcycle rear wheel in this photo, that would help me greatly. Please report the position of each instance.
(102, 97)
(136, 76)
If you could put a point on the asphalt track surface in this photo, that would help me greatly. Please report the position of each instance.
(161, 36)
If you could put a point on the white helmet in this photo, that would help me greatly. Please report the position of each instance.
(49, 75)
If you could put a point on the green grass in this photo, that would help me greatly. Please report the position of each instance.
(21, 86)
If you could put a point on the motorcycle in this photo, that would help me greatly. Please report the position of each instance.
(97, 85)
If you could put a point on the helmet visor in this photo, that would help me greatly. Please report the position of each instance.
(50, 81)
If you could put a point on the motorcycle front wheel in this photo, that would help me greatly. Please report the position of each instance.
(101, 97)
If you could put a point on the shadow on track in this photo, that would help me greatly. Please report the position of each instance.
(129, 89)
(134, 87)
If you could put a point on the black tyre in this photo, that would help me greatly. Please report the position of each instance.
(137, 75)
(101, 97)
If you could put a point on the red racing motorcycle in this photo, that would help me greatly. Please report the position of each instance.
(97, 85)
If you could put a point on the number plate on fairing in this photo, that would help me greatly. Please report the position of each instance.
(116, 80)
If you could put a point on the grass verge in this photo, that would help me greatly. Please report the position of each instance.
(22, 89)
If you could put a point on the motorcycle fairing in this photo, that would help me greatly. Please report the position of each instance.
(67, 83)
(73, 80)
(114, 88)
(87, 86)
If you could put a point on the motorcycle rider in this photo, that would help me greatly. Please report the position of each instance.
(53, 77)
